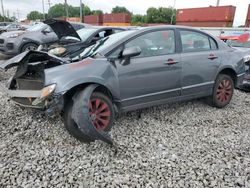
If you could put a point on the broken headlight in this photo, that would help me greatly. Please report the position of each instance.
(57, 51)
(246, 59)
(46, 92)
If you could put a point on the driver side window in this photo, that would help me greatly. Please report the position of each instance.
(154, 43)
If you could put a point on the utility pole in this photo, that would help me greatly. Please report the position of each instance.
(218, 3)
(49, 3)
(172, 17)
(43, 10)
(66, 8)
(3, 10)
(81, 11)
(18, 14)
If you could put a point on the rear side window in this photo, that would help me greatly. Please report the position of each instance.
(194, 41)
(154, 43)
(213, 44)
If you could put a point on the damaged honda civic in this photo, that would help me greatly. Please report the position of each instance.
(124, 72)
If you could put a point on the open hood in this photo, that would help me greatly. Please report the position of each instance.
(34, 56)
(62, 28)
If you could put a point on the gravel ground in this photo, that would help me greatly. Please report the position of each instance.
(178, 145)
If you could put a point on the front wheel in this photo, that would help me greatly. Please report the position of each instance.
(101, 113)
(222, 92)
(29, 46)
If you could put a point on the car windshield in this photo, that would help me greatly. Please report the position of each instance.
(36, 27)
(235, 43)
(104, 43)
(84, 34)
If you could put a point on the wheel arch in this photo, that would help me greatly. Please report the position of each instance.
(230, 72)
(100, 88)
(27, 42)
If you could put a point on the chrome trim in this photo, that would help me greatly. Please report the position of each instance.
(241, 74)
(151, 94)
(197, 85)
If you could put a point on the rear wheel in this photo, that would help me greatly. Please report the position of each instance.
(101, 113)
(222, 92)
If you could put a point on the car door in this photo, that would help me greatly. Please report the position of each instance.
(200, 61)
(155, 74)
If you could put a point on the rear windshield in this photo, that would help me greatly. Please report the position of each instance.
(84, 34)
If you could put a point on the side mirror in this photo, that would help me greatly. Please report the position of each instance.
(45, 32)
(130, 52)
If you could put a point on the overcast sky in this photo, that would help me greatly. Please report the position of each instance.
(136, 6)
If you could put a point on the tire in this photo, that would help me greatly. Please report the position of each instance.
(222, 92)
(73, 128)
(29, 46)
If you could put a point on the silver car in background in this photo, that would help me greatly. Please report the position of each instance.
(15, 42)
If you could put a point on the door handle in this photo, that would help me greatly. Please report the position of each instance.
(212, 57)
(171, 62)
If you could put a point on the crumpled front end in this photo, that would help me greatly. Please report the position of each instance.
(246, 80)
(27, 87)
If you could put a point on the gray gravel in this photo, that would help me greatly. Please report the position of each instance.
(176, 145)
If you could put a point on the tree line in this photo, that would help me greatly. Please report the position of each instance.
(153, 15)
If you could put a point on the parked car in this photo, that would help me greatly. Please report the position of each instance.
(15, 42)
(72, 42)
(4, 24)
(126, 71)
(12, 27)
(242, 43)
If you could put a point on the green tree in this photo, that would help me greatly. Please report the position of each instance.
(35, 15)
(152, 14)
(161, 15)
(58, 10)
(118, 9)
(138, 19)
(97, 12)
(6, 19)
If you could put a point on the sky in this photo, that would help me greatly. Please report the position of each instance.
(23, 7)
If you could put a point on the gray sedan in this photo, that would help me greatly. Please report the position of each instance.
(127, 71)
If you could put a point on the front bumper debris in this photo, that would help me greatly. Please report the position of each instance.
(51, 105)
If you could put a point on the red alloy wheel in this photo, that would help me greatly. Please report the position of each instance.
(224, 91)
(99, 113)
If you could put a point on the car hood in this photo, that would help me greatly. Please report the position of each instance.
(62, 28)
(17, 60)
(11, 33)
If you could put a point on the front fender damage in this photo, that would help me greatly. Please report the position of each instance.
(80, 114)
